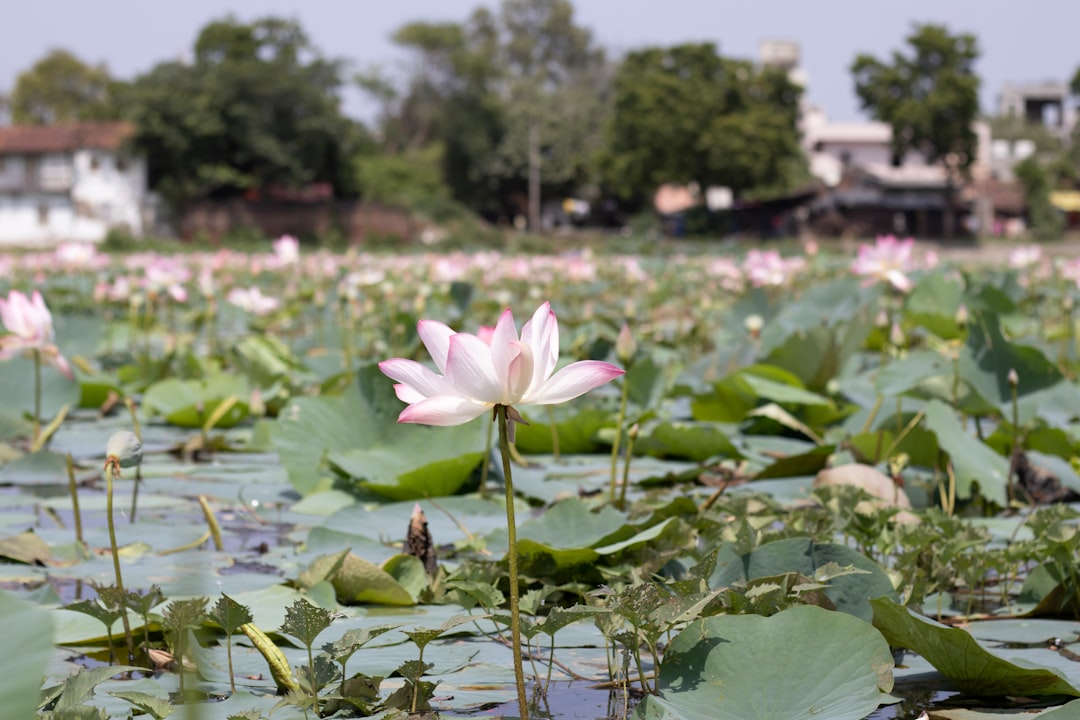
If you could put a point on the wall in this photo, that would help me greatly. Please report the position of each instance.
(359, 222)
(70, 196)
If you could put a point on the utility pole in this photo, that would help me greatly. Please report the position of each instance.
(534, 177)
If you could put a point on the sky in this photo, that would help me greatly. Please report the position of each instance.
(1021, 40)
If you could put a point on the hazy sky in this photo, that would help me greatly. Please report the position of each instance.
(1021, 40)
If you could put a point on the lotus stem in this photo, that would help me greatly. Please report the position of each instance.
(631, 436)
(512, 562)
(618, 436)
(37, 397)
(211, 521)
(112, 471)
(130, 404)
(74, 490)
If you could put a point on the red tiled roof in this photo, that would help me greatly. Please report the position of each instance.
(32, 139)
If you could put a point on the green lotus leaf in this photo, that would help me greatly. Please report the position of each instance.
(801, 664)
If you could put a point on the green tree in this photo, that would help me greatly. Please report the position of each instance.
(554, 86)
(1046, 221)
(686, 114)
(930, 97)
(258, 107)
(61, 88)
(509, 95)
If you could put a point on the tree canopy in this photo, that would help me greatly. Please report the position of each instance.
(506, 90)
(258, 108)
(61, 88)
(930, 95)
(686, 114)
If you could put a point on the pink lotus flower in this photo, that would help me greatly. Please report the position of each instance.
(287, 250)
(1025, 256)
(252, 300)
(514, 369)
(30, 325)
(887, 259)
(768, 268)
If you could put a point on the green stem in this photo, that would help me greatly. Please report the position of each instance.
(74, 490)
(512, 561)
(618, 437)
(311, 675)
(37, 397)
(116, 561)
(1014, 476)
(630, 438)
(138, 468)
(232, 676)
(346, 335)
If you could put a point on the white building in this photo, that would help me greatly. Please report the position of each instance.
(69, 182)
(833, 148)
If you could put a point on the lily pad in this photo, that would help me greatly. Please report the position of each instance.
(958, 656)
(356, 580)
(189, 403)
(849, 593)
(358, 436)
(973, 461)
(801, 664)
(28, 633)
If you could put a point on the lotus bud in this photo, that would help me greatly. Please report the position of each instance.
(753, 325)
(1014, 379)
(882, 319)
(962, 316)
(125, 448)
(896, 335)
(257, 404)
(625, 346)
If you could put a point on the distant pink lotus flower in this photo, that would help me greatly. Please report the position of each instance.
(1025, 256)
(287, 250)
(888, 259)
(768, 268)
(252, 300)
(78, 255)
(476, 376)
(30, 327)
(166, 276)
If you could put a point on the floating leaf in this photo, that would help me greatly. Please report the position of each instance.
(973, 462)
(578, 427)
(356, 580)
(189, 403)
(26, 547)
(849, 593)
(801, 664)
(158, 708)
(960, 658)
(28, 634)
(358, 435)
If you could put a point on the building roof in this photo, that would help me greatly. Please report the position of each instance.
(877, 133)
(35, 139)
(908, 176)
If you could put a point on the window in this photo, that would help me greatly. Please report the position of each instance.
(121, 163)
(95, 162)
(43, 214)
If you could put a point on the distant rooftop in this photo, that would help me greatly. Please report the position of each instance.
(36, 139)
(850, 132)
